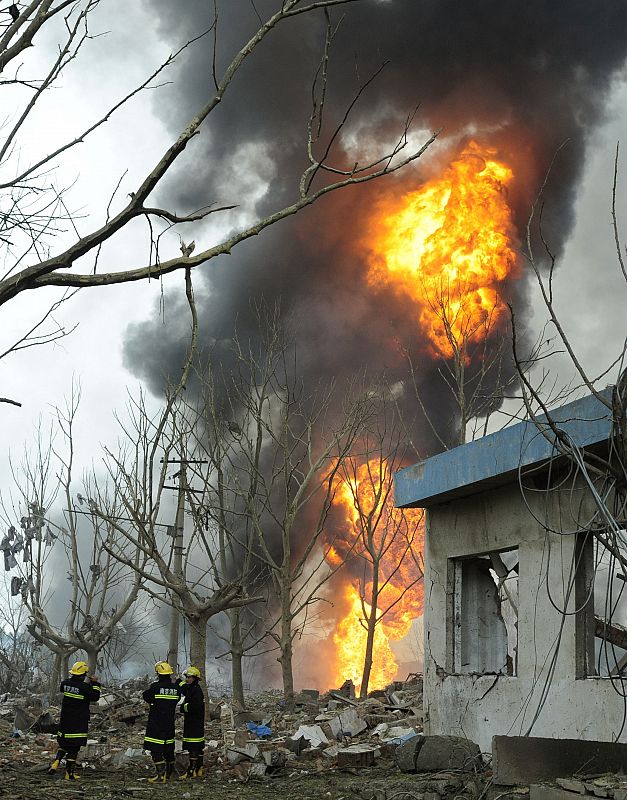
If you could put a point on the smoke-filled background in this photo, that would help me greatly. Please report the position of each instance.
(528, 80)
(525, 77)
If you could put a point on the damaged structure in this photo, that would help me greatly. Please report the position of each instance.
(519, 637)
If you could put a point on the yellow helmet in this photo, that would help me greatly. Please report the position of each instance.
(194, 672)
(163, 668)
(79, 668)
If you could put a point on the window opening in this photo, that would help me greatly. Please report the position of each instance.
(484, 613)
(601, 625)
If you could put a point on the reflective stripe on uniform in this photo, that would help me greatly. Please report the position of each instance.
(167, 697)
(154, 741)
(75, 696)
(185, 706)
(72, 735)
(169, 741)
(193, 739)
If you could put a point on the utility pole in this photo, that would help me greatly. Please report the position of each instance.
(175, 617)
(178, 549)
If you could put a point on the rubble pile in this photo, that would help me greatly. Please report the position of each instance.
(609, 786)
(322, 732)
(324, 738)
(308, 751)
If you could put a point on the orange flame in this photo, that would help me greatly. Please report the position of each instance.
(448, 246)
(350, 641)
(374, 526)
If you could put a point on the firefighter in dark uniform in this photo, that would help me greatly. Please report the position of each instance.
(163, 696)
(78, 691)
(193, 707)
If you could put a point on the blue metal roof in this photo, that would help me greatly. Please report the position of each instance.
(495, 459)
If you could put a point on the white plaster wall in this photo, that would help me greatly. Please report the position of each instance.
(481, 706)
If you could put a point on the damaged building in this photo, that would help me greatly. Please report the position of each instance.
(523, 606)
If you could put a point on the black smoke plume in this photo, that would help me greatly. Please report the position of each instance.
(524, 77)
(531, 75)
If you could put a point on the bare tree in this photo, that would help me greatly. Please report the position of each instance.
(383, 545)
(475, 365)
(19, 654)
(185, 574)
(127, 644)
(101, 592)
(37, 211)
(230, 403)
(285, 458)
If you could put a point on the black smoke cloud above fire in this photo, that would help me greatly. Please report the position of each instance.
(535, 74)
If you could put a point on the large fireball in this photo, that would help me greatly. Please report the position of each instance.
(448, 246)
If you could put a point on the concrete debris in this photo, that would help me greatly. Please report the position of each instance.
(119, 757)
(247, 752)
(448, 752)
(356, 755)
(325, 740)
(332, 734)
(106, 701)
(347, 723)
(312, 733)
(533, 759)
(406, 754)
(322, 732)
(307, 697)
(605, 786)
(571, 785)
(433, 753)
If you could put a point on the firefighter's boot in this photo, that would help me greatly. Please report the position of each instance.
(54, 766)
(159, 777)
(198, 770)
(169, 771)
(189, 772)
(70, 770)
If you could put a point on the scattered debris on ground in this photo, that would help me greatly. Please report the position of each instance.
(330, 746)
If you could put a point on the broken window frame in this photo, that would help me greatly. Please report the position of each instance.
(456, 661)
(591, 626)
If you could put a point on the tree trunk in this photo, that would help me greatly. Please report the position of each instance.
(173, 647)
(363, 692)
(92, 661)
(286, 648)
(198, 644)
(59, 671)
(372, 624)
(237, 652)
(198, 641)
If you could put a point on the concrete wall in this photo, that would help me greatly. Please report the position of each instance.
(481, 706)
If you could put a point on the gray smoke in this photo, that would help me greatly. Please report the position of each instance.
(523, 77)
(533, 75)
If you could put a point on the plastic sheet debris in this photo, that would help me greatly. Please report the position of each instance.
(262, 731)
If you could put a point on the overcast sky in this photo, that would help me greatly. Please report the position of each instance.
(590, 291)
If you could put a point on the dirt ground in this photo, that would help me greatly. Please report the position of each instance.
(382, 782)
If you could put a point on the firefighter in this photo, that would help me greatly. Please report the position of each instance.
(163, 696)
(193, 707)
(79, 690)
